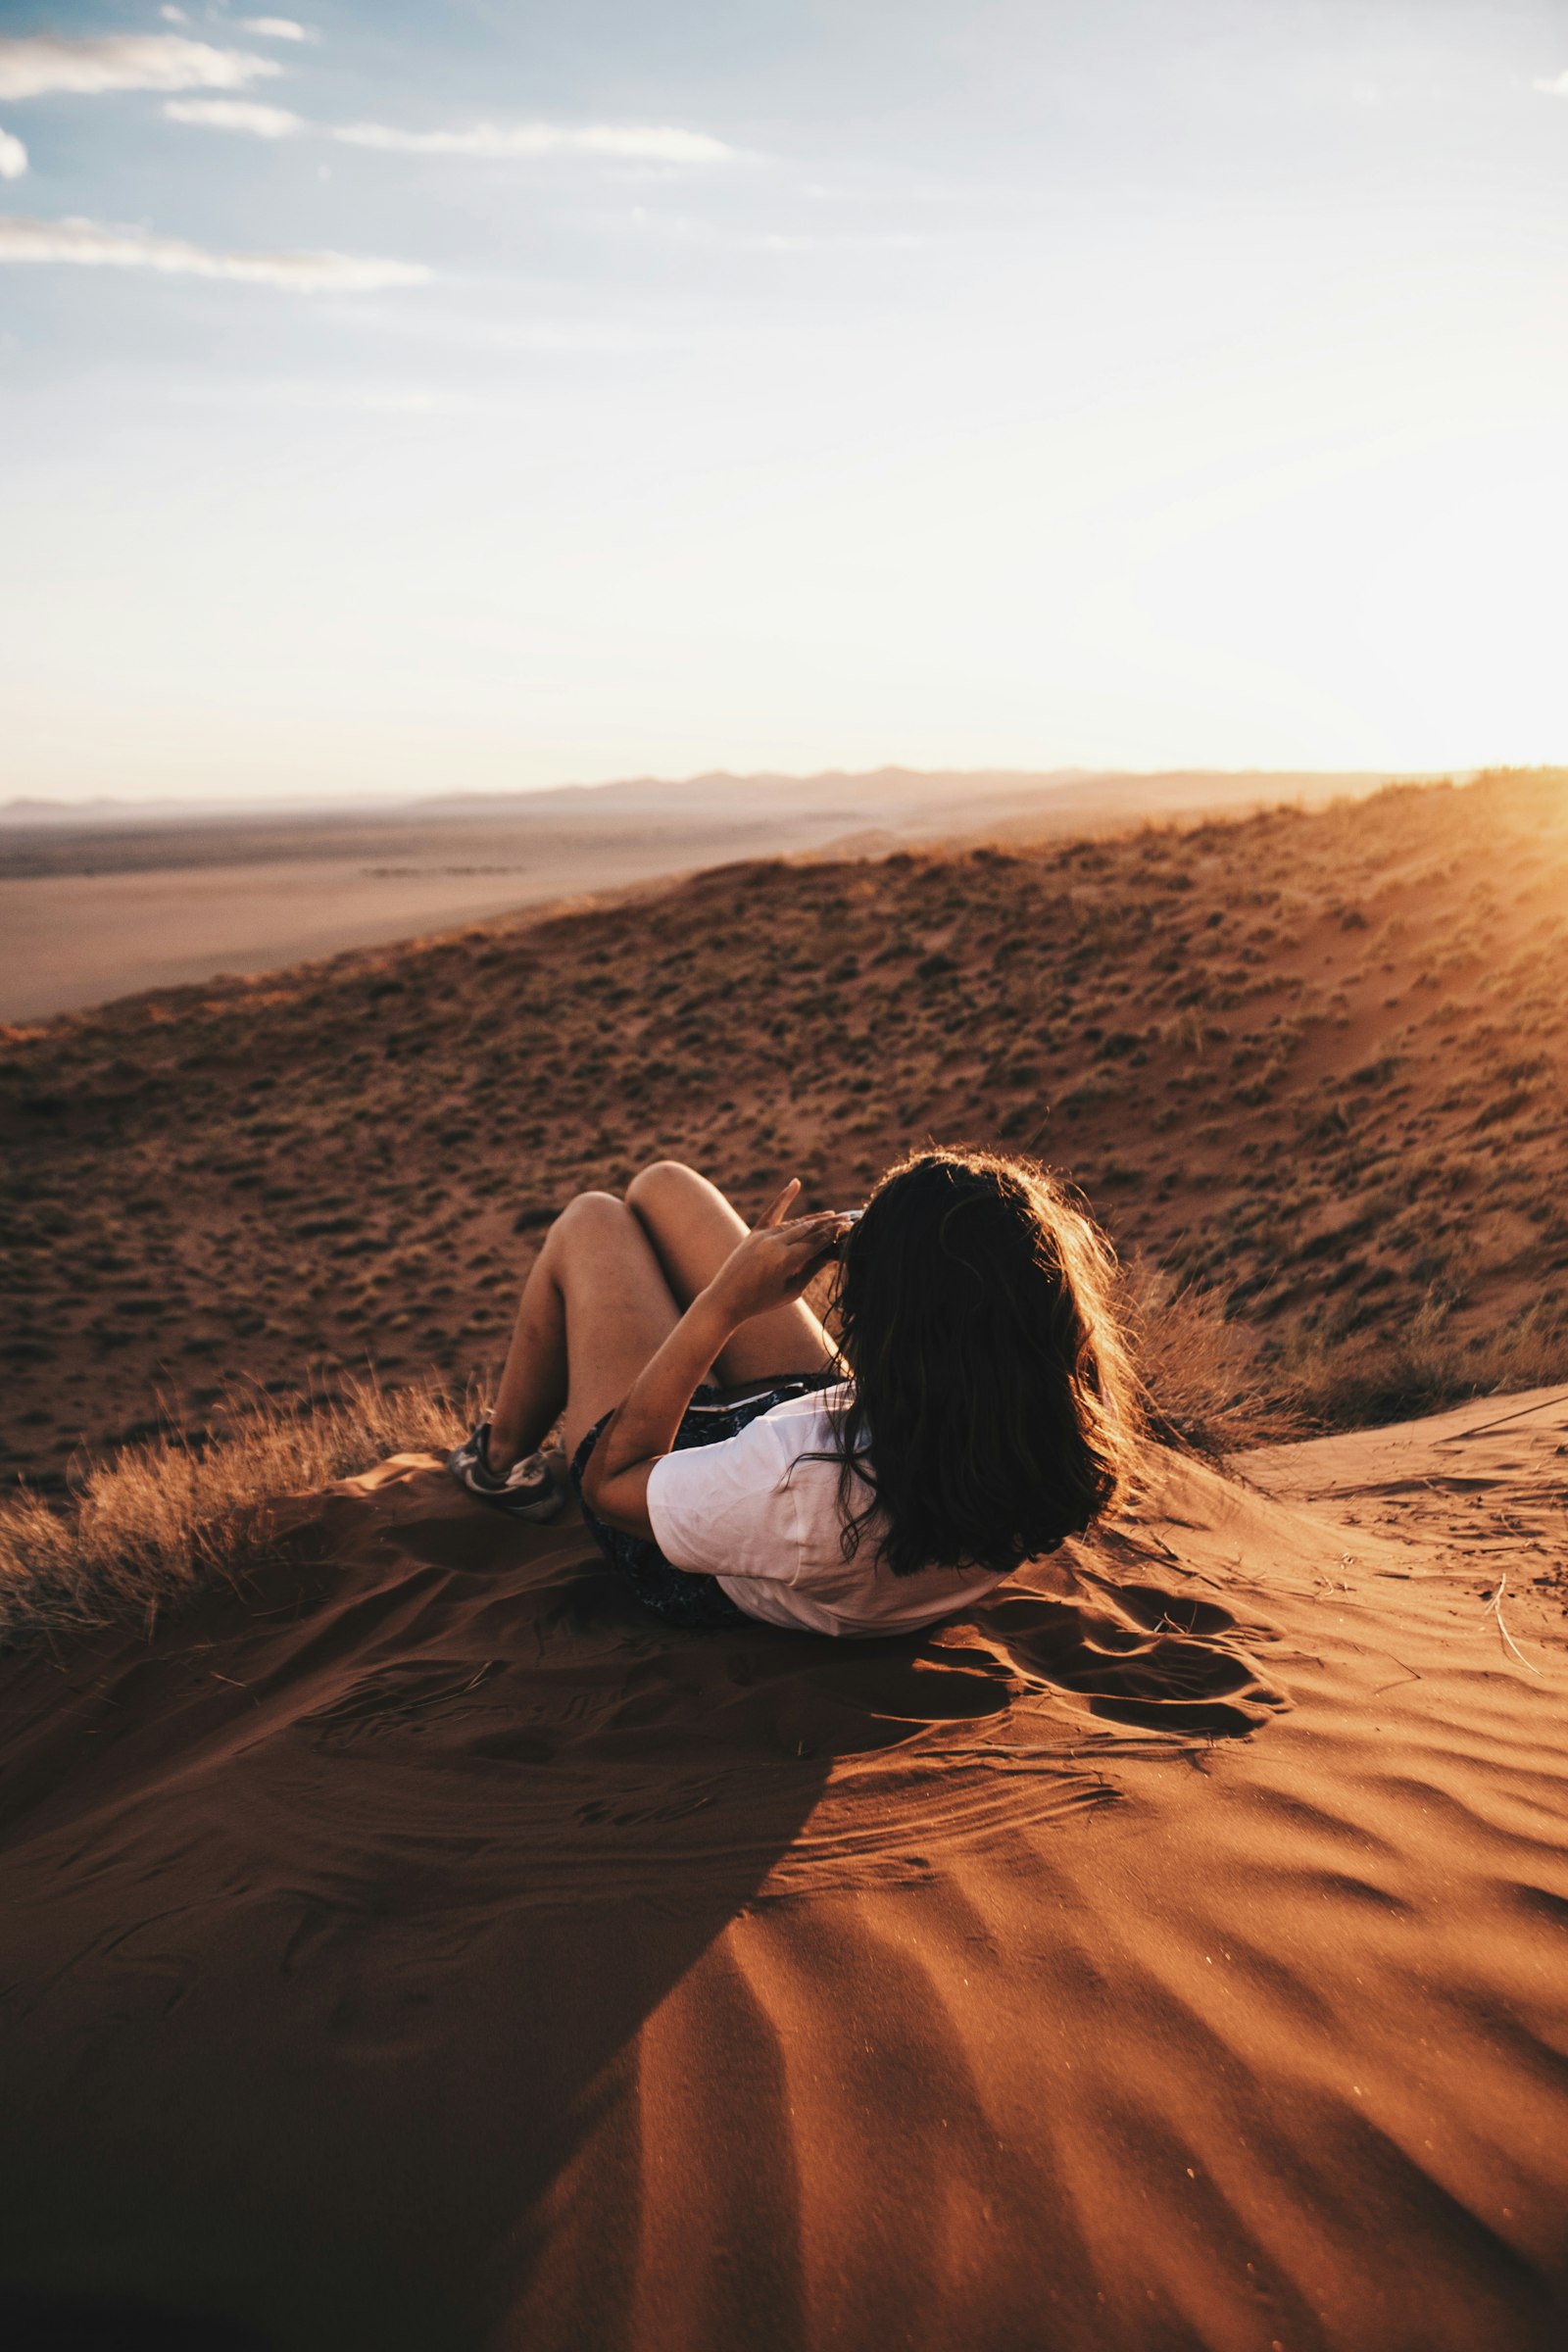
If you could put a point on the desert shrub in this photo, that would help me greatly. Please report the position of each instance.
(1086, 1095)
(1350, 1380)
(1202, 1377)
(1503, 1106)
(150, 1526)
(1212, 1385)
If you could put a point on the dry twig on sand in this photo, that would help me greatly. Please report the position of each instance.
(1495, 1605)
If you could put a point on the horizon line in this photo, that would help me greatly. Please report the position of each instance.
(299, 800)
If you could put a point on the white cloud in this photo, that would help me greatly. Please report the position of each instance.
(173, 15)
(96, 245)
(12, 157)
(1556, 87)
(237, 114)
(279, 29)
(40, 63)
(657, 144)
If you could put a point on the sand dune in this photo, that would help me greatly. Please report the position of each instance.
(422, 1948)
(1315, 1065)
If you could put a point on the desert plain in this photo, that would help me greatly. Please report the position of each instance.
(407, 1942)
(102, 900)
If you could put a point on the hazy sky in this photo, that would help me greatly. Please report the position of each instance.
(430, 393)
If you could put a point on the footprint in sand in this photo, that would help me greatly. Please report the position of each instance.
(810, 1698)
(1130, 1668)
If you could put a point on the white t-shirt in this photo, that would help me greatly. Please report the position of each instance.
(763, 1520)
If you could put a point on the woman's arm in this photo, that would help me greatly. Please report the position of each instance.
(771, 1266)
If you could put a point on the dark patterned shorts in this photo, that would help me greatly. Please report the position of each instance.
(679, 1598)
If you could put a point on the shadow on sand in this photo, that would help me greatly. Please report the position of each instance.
(333, 1915)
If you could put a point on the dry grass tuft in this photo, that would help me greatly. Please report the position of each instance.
(148, 1527)
(1200, 1372)
(1365, 1378)
(1213, 1384)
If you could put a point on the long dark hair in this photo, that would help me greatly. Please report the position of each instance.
(992, 1380)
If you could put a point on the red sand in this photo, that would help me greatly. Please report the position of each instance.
(424, 1949)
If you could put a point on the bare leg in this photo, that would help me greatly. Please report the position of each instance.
(693, 1229)
(596, 1306)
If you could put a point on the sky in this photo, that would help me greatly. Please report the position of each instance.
(436, 395)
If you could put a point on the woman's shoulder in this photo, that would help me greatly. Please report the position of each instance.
(810, 1423)
(831, 1398)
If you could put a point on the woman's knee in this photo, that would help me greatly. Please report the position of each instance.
(663, 1184)
(590, 1214)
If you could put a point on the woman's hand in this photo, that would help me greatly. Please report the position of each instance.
(777, 1258)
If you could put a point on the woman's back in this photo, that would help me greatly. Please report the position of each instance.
(764, 1513)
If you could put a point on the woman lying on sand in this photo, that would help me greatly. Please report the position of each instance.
(978, 1409)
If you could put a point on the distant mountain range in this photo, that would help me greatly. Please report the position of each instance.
(893, 794)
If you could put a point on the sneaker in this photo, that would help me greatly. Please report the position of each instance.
(529, 1490)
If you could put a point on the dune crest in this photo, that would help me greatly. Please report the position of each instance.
(424, 1947)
